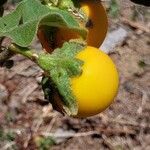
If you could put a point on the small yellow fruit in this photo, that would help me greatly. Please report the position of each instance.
(97, 86)
(97, 25)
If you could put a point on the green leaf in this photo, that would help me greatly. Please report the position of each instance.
(21, 25)
(114, 8)
(61, 65)
(45, 143)
(65, 4)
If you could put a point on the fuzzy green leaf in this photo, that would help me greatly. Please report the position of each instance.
(21, 25)
(61, 66)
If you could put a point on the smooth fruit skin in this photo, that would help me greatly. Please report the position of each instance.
(98, 22)
(97, 25)
(97, 86)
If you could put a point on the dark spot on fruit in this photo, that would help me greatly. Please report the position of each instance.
(89, 24)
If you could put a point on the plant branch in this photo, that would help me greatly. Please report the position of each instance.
(23, 51)
(14, 49)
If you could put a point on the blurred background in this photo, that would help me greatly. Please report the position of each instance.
(28, 122)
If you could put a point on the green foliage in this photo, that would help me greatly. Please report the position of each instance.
(9, 136)
(65, 3)
(114, 8)
(142, 64)
(14, 1)
(61, 65)
(21, 25)
(45, 143)
(9, 117)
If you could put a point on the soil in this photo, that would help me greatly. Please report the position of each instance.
(25, 116)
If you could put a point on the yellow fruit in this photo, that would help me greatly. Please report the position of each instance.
(97, 25)
(97, 86)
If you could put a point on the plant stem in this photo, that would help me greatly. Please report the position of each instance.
(23, 51)
(14, 49)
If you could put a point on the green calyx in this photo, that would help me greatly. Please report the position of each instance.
(21, 26)
(60, 66)
(72, 6)
(63, 4)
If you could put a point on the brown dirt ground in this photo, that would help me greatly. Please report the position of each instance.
(124, 126)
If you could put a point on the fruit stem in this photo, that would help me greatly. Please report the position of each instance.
(23, 51)
(39, 58)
